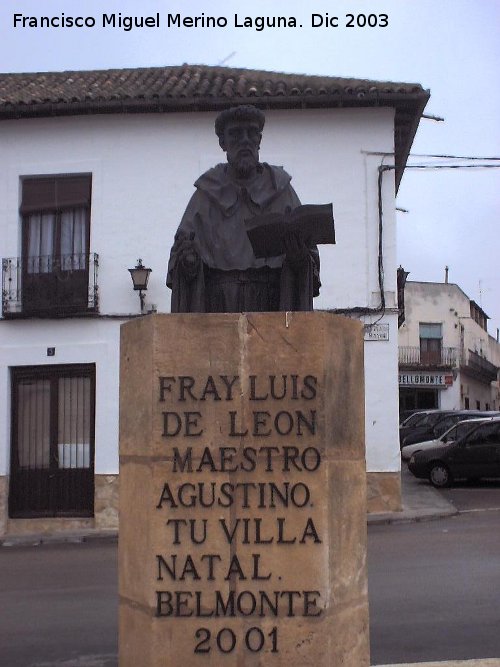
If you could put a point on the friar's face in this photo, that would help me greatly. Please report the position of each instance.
(241, 143)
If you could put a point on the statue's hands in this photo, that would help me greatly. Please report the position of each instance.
(296, 251)
(188, 258)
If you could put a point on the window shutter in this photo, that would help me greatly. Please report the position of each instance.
(430, 331)
(55, 192)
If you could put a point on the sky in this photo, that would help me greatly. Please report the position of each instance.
(451, 47)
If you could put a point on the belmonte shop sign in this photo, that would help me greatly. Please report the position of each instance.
(425, 379)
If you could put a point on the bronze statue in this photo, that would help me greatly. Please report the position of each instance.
(212, 266)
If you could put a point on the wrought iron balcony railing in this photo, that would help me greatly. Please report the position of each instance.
(414, 357)
(50, 286)
(479, 367)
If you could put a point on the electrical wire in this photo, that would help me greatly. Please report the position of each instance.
(381, 170)
(443, 156)
(452, 166)
(453, 157)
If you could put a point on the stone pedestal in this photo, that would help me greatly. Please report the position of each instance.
(242, 491)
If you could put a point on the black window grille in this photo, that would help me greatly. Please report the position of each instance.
(55, 213)
(52, 454)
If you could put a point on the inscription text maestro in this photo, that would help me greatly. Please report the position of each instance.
(269, 496)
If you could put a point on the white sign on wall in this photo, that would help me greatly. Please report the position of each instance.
(376, 332)
(425, 379)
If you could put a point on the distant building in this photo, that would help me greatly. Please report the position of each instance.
(447, 359)
(96, 170)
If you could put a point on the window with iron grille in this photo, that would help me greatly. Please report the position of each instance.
(52, 455)
(55, 214)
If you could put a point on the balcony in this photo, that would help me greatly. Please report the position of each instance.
(50, 286)
(478, 367)
(413, 357)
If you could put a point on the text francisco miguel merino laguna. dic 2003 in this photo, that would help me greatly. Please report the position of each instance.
(201, 21)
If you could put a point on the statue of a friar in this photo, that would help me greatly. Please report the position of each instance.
(212, 266)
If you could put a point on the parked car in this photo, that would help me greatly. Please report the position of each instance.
(436, 423)
(411, 422)
(404, 416)
(473, 456)
(456, 432)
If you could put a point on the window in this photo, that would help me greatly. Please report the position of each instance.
(460, 430)
(478, 315)
(485, 434)
(431, 340)
(445, 424)
(52, 463)
(55, 214)
(418, 399)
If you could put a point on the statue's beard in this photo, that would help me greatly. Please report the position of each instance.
(245, 165)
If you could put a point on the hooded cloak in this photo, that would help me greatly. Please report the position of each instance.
(231, 278)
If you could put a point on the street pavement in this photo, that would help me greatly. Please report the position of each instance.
(110, 661)
(494, 662)
(420, 502)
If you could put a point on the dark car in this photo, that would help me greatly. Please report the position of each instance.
(412, 422)
(434, 424)
(473, 456)
(408, 416)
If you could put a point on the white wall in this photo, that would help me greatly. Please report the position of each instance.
(381, 402)
(449, 398)
(433, 303)
(25, 343)
(143, 168)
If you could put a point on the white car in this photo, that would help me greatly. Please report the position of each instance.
(454, 433)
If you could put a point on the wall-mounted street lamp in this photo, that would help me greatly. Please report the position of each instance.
(140, 277)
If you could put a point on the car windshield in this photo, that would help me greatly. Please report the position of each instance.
(430, 419)
(413, 419)
(458, 430)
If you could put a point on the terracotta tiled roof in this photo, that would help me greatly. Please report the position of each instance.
(203, 88)
(187, 82)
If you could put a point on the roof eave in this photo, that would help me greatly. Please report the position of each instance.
(411, 104)
(159, 104)
(401, 156)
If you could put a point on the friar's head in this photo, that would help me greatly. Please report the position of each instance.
(240, 131)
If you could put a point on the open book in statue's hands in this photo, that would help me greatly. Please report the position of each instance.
(313, 223)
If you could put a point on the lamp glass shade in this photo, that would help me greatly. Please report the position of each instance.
(140, 277)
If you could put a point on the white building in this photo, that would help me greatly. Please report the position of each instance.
(447, 359)
(96, 170)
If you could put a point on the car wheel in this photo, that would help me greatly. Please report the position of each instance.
(439, 475)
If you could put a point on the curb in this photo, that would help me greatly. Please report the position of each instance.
(409, 516)
(35, 540)
(487, 662)
(40, 539)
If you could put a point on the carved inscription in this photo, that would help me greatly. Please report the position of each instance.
(250, 492)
